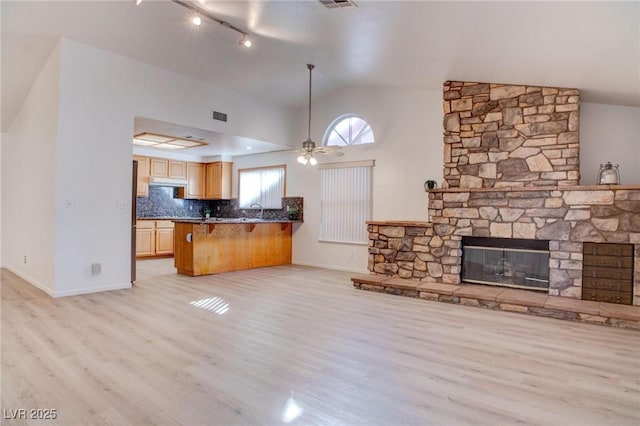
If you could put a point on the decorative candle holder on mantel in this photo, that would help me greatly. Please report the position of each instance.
(609, 174)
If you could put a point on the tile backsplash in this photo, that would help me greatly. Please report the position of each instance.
(162, 203)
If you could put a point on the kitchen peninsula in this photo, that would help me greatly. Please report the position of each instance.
(211, 246)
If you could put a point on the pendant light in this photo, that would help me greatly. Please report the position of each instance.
(308, 146)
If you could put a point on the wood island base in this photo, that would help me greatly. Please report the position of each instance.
(212, 248)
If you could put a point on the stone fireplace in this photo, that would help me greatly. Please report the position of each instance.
(511, 171)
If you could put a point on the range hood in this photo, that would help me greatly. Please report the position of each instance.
(161, 181)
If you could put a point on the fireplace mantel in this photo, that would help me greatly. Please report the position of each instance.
(540, 188)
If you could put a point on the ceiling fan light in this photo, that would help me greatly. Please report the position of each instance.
(313, 161)
(302, 160)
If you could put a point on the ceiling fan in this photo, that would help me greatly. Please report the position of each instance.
(309, 147)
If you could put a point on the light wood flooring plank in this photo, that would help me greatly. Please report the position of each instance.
(148, 356)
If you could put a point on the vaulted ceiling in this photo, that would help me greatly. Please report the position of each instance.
(593, 46)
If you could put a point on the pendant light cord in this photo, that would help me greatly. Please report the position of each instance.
(310, 67)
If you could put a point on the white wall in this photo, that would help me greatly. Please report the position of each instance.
(408, 129)
(609, 133)
(100, 95)
(28, 181)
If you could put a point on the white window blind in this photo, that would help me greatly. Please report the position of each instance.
(346, 203)
(264, 186)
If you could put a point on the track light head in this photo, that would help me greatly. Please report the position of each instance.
(245, 41)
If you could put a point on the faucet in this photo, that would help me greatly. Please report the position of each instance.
(259, 206)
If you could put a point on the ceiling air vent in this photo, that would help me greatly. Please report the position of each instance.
(335, 4)
(221, 116)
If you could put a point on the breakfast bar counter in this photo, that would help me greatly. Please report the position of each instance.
(212, 246)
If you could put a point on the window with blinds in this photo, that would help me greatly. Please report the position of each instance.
(345, 192)
(264, 186)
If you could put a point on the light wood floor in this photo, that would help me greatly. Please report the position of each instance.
(147, 356)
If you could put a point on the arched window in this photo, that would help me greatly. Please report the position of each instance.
(348, 130)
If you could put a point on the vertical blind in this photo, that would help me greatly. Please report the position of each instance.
(264, 186)
(345, 203)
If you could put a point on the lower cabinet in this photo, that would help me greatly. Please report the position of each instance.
(154, 238)
(164, 237)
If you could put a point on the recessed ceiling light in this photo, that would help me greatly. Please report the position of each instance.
(196, 20)
(249, 147)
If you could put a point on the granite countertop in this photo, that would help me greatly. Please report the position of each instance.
(169, 218)
(232, 220)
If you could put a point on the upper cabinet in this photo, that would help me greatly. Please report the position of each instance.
(211, 181)
(142, 187)
(163, 168)
(159, 167)
(177, 169)
(218, 181)
(195, 181)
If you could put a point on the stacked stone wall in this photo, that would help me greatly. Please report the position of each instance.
(499, 135)
(565, 217)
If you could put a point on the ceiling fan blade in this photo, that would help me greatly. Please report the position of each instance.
(333, 153)
(328, 148)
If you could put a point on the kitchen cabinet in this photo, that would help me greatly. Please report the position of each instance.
(164, 237)
(177, 169)
(195, 181)
(218, 180)
(173, 169)
(143, 176)
(211, 181)
(145, 238)
(154, 238)
(159, 167)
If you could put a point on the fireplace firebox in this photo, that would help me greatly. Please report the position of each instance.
(508, 262)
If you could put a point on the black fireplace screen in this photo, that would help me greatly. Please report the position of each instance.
(507, 262)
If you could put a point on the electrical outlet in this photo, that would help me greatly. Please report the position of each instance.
(190, 207)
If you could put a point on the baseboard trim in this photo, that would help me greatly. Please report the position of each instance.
(333, 267)
(31, 281)
(56, 294)
(89, 290)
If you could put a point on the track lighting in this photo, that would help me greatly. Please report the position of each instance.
(245, 41)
